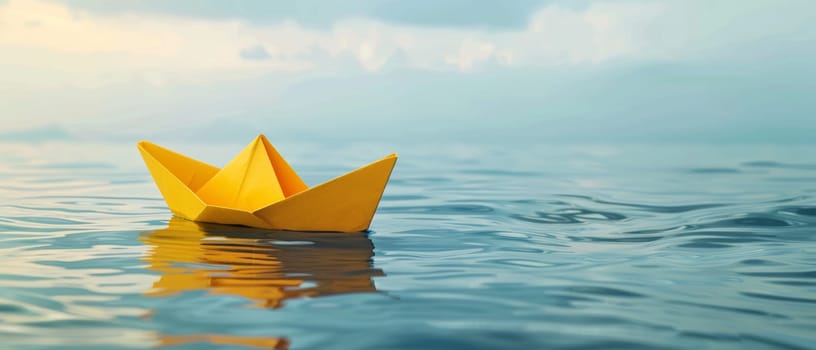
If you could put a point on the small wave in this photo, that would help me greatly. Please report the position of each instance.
(779, 165)
(796, 274)
(449, 209)
(570, 216)
(779, 298)
(651, 208)
(802, 211)
(712, 171)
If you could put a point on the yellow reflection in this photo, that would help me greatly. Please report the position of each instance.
(258, 342)
(267, 267)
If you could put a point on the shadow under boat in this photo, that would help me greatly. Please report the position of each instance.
(267, 267)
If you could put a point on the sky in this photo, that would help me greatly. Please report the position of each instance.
(409, 71)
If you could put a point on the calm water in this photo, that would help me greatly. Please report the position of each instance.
(473, 247)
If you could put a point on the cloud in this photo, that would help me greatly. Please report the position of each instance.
(115, 73)
(134, 45)
(97, 43)
(324, 15)
(255, 53)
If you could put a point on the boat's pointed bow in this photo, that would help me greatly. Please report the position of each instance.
(176, 176)
(345, 204)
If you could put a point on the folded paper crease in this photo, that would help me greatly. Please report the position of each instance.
(258, 188)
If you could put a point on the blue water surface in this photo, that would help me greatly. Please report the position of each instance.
(473, 247)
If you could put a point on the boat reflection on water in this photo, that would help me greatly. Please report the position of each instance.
(264, 266)
(267, 267)
(214, 339)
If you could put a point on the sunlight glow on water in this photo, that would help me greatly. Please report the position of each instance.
(473, 247)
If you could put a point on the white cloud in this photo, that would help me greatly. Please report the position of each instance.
(89, 49)
(116, 71)
(472, 52)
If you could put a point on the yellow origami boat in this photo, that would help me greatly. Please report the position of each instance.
(258, 188)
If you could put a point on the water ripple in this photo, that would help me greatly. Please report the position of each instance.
(450, 209)
(642, 247)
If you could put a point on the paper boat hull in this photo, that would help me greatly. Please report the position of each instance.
(344, 204)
